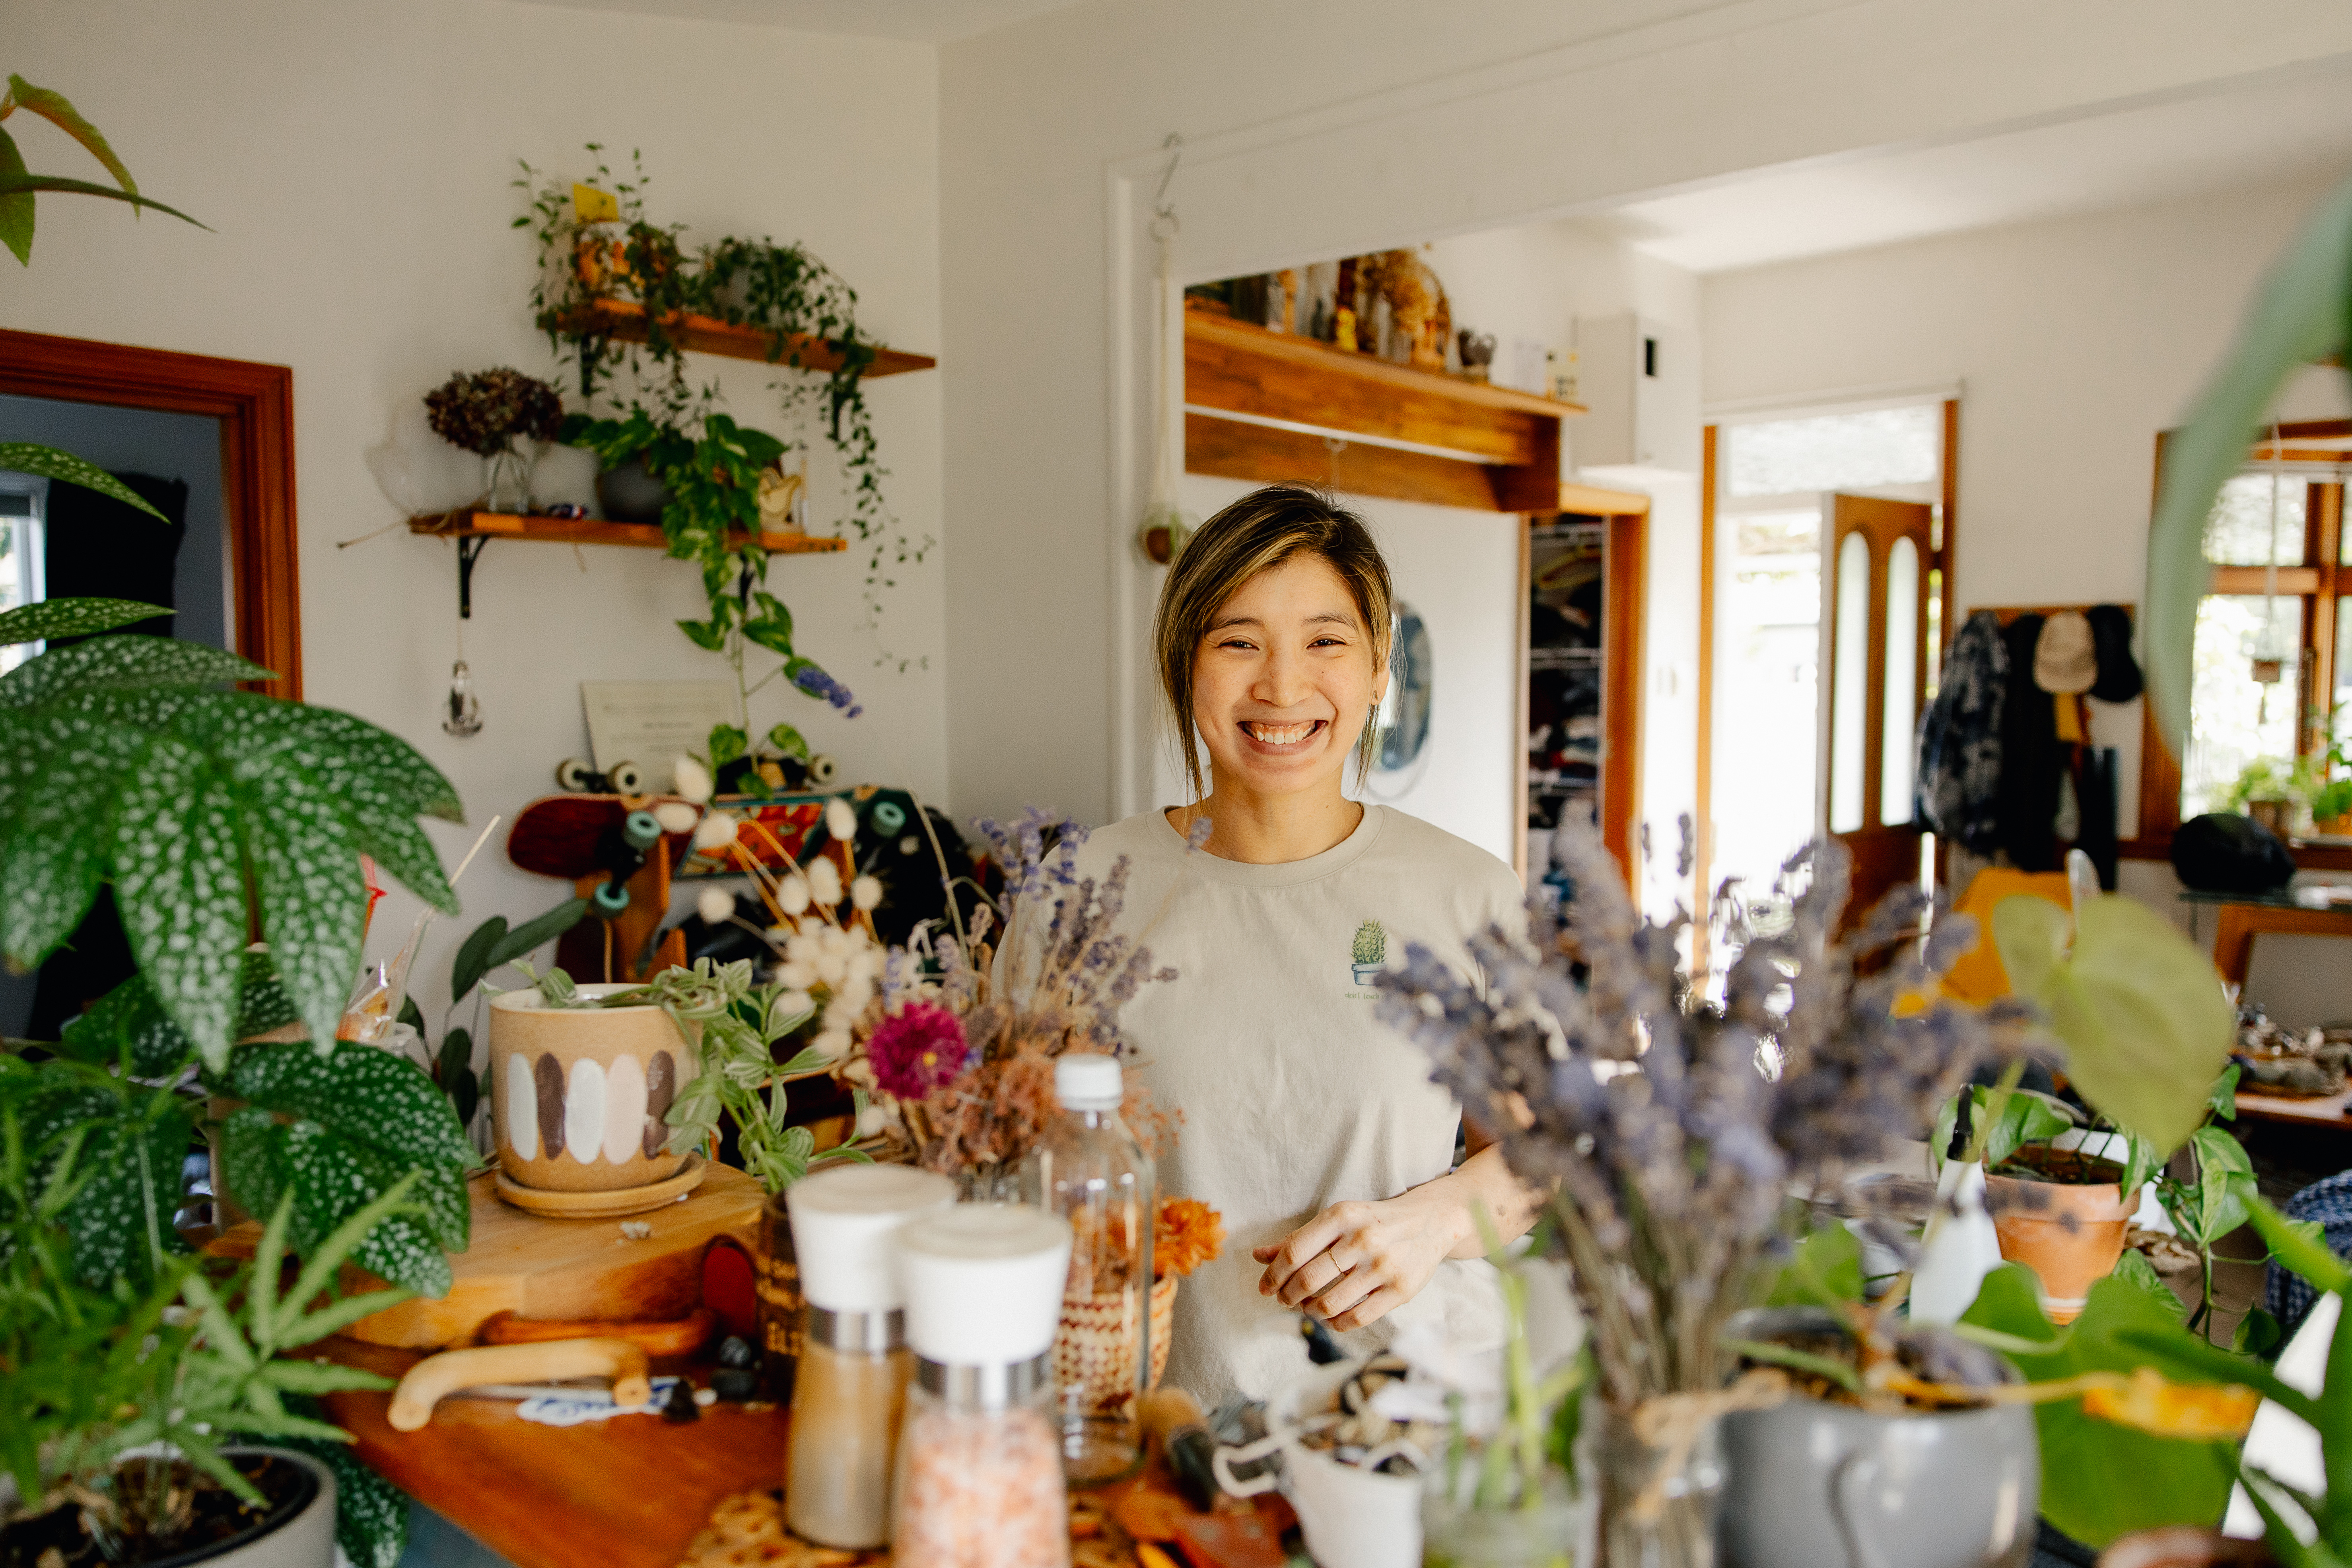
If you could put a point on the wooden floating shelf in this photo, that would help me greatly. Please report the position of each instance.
(1267, 406)
(626, 320)
(466, 525)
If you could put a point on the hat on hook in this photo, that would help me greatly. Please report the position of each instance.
(2064, 662)
(2111, 634)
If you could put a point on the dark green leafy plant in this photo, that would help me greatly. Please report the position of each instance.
(2288, 1511)
(17, 186)
(782, 289)
(332, 1133)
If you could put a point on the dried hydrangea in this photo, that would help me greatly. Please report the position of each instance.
(487, 410)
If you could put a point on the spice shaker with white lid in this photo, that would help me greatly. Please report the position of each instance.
(980, 1467)
(851, 1390)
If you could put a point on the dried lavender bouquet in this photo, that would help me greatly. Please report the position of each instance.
(1672, 1132)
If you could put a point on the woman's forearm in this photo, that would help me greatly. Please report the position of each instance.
(1483, 1183)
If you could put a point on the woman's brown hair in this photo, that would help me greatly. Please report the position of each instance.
(1257, 533)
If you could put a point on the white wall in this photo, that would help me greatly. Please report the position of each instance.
(354, 164)
(2074, 341)
(1404, 129)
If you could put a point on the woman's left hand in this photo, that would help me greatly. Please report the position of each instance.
(1356, 1262)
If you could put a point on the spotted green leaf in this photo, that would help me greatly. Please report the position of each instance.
(118, 1225)
(48, 462)
(329, 1180)
(49, 618)
(360, 1092)
(53, 810)
(179, 870)
(121, 661)
(313, 899)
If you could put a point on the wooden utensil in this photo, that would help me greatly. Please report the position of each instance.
(426, 1382)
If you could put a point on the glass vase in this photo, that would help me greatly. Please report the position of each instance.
(778, 1286)
(1551, 1534)
(506, 482)
(1658, 1499)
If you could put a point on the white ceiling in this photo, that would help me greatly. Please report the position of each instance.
(920, 21)
(2237, 134)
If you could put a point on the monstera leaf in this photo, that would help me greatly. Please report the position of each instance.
(203, 808)
(2138, 1005)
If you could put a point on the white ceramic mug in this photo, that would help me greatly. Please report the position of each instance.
(1353, 1516)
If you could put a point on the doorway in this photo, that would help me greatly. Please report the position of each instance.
(1828, 533)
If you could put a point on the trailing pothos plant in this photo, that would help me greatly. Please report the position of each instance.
(740, 1023)
(713, 519)
(612, 251)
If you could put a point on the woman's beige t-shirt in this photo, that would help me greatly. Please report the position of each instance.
(1294, 1095)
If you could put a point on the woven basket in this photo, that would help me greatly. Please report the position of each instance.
(1094, 1354)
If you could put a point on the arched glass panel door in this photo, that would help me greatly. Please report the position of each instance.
(1876, 595)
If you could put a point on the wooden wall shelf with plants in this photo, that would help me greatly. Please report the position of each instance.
(1267, 406)
(468, 524)
(626, 320)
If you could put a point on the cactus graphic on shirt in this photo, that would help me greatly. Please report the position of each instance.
(1371, 945)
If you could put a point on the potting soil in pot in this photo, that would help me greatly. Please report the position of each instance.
(218, 1521)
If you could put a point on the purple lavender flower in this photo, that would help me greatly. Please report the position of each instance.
(817, 683)
(917, 1050)
(1670, 1127)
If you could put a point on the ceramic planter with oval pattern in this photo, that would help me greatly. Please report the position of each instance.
(579, 1094)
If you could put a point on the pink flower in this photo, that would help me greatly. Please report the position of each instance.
(916, 1050)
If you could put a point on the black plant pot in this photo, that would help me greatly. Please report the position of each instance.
(630, 494)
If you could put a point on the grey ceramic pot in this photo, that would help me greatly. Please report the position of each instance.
(1828, 1485)
(630, 494)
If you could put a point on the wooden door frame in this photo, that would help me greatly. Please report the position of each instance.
(255, 405)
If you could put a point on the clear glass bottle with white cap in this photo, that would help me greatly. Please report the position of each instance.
(851, 1389)
(1089, 1169)
(979, 1473)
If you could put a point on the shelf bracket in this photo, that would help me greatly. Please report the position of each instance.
(469, 545)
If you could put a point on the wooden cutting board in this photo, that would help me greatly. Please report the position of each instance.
(563, 1269)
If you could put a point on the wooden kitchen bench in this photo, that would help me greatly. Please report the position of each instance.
(629, 1492)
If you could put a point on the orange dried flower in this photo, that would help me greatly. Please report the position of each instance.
(1188, 1233)
(2152, 1403)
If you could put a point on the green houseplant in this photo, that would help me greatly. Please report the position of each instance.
(124, 1399)
(18, 185)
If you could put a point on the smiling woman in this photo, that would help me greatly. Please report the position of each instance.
(1312, 1129)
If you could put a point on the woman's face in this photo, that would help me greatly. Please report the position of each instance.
(1284, 680)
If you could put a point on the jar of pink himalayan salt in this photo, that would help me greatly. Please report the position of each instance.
(980, 1466)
